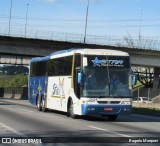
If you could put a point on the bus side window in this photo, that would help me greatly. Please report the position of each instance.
(39, 69)
(61, 66)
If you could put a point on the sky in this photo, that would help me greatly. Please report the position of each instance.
(105, 17)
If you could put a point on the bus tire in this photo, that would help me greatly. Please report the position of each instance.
(71, 110)
(39, 107)
(112, 117)
(43, 105)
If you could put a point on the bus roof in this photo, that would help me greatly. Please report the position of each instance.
(86, 51)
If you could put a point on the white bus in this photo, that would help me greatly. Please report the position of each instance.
(61, 82)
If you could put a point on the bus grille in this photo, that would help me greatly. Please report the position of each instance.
(109, 102)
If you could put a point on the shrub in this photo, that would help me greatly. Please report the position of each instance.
(18, 81)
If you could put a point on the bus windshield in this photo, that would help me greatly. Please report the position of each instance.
(106, 76)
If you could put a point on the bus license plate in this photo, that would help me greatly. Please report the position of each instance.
(108, 109)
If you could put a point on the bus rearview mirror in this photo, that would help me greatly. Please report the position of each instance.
(134, 79)
(79, 78)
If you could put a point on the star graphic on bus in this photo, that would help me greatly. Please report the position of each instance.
(96, 62)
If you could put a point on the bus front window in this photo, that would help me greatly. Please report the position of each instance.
(102, 79)
(95, 79)
(119, 83)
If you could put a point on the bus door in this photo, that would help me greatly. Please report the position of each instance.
(78, 82)
(77, 72)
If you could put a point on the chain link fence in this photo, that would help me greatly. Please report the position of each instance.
(128, 41)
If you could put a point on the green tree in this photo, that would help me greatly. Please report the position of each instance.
(18, 81)
(2, 83)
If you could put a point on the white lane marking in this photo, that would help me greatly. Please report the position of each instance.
(16, 132)
(124, 135)
(2, 128)
(12, 130)
(26, 110)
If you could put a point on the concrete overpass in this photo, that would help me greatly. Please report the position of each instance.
(16, 50)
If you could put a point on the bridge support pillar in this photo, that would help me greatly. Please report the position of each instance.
(156, 81)
(155, 92)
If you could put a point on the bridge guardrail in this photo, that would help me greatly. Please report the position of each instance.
(128, 41)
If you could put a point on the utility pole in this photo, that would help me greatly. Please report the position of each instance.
(86, 22)
(10, 18)
(140, 29)
(26, 19)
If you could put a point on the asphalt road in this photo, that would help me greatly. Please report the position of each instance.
(19, 118)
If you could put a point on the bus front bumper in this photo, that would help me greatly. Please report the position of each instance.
(91, 109)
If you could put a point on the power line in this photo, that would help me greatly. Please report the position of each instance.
(79, 20)
(81, 26)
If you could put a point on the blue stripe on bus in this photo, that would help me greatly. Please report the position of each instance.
(64, 51)
(37, 59)
(91, 109)
(37, 86)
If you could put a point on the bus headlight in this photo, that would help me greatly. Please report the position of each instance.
(90, 101)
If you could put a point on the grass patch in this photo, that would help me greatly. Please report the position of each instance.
(146, 111)
(13, 80)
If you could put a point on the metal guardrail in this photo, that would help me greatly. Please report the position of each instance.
(130, 42)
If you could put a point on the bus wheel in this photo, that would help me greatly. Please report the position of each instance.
(39, 107)
(71, 110)
(44, 109)
(112, 117)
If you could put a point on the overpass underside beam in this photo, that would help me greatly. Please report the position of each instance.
(145, 60)
(17, 60)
